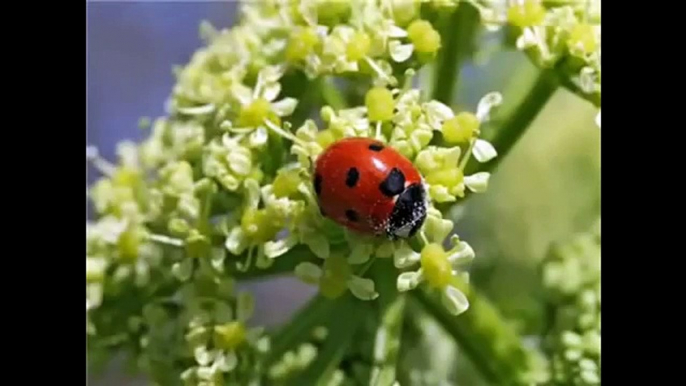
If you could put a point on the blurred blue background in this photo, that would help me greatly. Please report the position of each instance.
(131, 48)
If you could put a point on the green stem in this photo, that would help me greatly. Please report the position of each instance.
(506, 136)
(332, 95)
(457, 35)
(343, 322)
(300, 327)
(492, 345)
(284, 264)
(389, 329)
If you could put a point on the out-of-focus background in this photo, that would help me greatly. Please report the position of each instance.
(548, 187)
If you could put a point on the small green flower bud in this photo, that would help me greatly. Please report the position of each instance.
(380, 104)
(254, 114)
(229, 336)
(301, 44)
(461, 128)
(178, 227)
(332, 12)
(125, 176)
(530, 13)
(128, 243)
(435, 265)
(583, 37)
(325, 138)
(256, 174)
(286, 183)
(358, 46)
(405, 10)
(424, 37)
(256, 223)
(197, 245)
(446, 177)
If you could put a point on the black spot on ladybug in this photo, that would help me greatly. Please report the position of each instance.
(352, 177)
(321, 211)
(409, 212)
(351, 215)
(376, 147)
(393, 184)
(318, 184)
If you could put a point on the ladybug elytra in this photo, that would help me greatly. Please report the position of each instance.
(370, 188)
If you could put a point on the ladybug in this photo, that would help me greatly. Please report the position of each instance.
(370, 188)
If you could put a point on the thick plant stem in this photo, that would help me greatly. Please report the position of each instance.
(457, 34)
(491, 344)
(387, 340)
(343, 321)
(316, 313)
(515, 125)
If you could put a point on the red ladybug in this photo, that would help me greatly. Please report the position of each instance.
(370, 188)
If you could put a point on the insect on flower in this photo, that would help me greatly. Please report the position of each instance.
(370, 188)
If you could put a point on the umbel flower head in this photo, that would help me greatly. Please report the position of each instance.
(562, 34)
(571, 275)
(223, 184)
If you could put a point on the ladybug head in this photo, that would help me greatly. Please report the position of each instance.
(408, 213)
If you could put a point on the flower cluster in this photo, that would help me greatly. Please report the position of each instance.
(409, 123)
(571, 276)
(223, 184)
(561, 34)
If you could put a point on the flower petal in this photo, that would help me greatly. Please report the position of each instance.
(197, 110)
(258, 137)
(319, 244)
(308, 272)
(360, 253)
(271, 91)
(226, 362)
(484, 151)
(478, 182)
(362, 288)
(236, 242)
(454, 300)
(239, 161)
(488, 102)
(274, 249)
(461, 254)
(405, 256)
(438, 110)
(183, 269)
(202, 355)
(396, 32)
(400, 52)
(408, 280)
(285, 106)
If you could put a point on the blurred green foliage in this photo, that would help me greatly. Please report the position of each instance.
(546, 189)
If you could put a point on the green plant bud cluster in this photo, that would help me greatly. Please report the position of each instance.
(571, 276)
